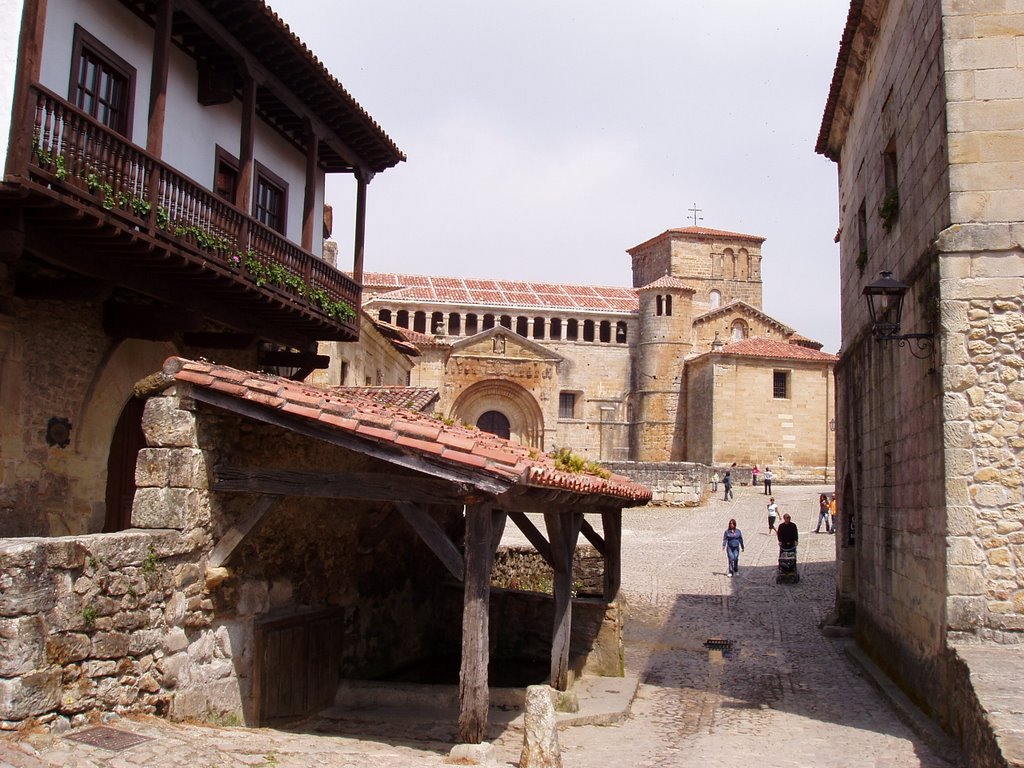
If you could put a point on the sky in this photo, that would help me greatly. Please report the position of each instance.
(546, 137)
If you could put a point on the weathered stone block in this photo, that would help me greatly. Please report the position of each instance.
(21, 645)
(167, 426)
(178, 508)
(67, 647)
(27, 589)
(109, 645)
(31, 694)
(963, 551)
(965, 613)
(965, 580)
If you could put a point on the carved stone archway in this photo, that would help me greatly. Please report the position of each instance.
(526, 421)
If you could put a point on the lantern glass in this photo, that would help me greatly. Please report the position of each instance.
(885, 304)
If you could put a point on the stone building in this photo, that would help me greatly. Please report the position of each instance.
(683, 366)
(126, 239)
(923, 121)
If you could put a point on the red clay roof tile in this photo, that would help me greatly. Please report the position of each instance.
(353, 412)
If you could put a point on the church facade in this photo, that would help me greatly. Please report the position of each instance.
(685, 365)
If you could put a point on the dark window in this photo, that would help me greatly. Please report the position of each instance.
(102, 83)
(567, 405)
(225, 175)
(269, 206)
(660, 310)
(384, 315)
(538, 327)
(506, 321)
(780, 385)
(668, 305)
(454, 323)
(488, 321)
(605, 331)
(588, 330)
(496, 423)
(556, 329)
(437, 323)
(523, 326)
(402, 319)
(620, 332)
(572, 330)
(471, 325)
(419, 322)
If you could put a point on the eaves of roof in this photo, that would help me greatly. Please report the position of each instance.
(853, 21)
(775, 350)
(698, 233)
(743, 308)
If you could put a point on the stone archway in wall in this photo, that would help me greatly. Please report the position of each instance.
(525, 419)
(106, 412)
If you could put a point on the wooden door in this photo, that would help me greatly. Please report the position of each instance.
(125, 445)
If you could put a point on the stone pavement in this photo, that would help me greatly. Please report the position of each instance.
(786, 697)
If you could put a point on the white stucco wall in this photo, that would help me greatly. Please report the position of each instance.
(192, 132)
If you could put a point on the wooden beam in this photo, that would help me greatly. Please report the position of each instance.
(611, 520)
(563, 530)
(229, 542)
(592, 536)
(362, 486)
(218, 340)
(535, 537)
(360, 229)
(264, 74)
(246, 143)
(474, 697)
(433, 536)
(30, 56)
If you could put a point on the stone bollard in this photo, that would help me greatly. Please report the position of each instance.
(540, 731)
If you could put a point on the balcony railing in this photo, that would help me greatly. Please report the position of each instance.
(81, 157)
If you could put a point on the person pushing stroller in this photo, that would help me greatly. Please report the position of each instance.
(788, 538)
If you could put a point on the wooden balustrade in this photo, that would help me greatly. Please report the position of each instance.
(88, 160)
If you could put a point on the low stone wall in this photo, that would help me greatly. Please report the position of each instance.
(114, 622)
(675, 483)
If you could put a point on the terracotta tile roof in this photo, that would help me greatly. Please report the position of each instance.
(773, 348)
(414, 398)
(403, 430)
(699, 233)
(853, 19)
(408, 337)
(668, 281)
(510, 294)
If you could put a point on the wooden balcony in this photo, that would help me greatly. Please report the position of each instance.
(100, 207)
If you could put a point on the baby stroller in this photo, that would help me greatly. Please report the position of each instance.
(787, 566)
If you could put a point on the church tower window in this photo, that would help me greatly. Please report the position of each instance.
(506, 321)
(419, 322)
(454, 323)
(572, 330)
(538, 327)
(620, 332)
(739, 330)
(588, 330)
(606, 332)
(437, 323)
(556, 329)
(402, 321)
(716, 299)
(522, 326)
(471, 325)
(384, 315)
(488, 322)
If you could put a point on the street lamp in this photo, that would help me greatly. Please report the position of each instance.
(885, 305)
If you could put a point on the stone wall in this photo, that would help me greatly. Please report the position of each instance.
(115, 622)
(675, 483)
(889, 429)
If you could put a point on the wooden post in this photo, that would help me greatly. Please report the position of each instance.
(611, 521)
(360, 233)
(474, 698)
(309, 193)
(33, 22)
(563, 530)
(158, 80)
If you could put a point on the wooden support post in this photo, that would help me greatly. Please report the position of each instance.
(611, 521)
(474, 698)
(158, 81)
(563, 530)
(309, 226)
(33, 23)
(360, 234)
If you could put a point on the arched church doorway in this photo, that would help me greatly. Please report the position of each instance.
(523, 420)
(496, 423)
(125, 445)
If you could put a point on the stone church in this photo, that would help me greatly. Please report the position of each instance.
(683, 366)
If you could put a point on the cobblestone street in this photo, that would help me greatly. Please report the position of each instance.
(787, 697)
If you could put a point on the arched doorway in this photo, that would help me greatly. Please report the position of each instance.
(125, 445)
(523, 418)
(496, 423)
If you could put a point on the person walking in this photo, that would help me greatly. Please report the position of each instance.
(727, 485)
(773, 512)
(732, 543)
(788, 533)
(754, 474)
(767, 481)
(714, 481)
(824, 514)
(832, 511)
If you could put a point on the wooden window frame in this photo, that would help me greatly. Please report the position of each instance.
(264, 175)
(567, 402)
(84, 41)
(781, 385)
(223, 157)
